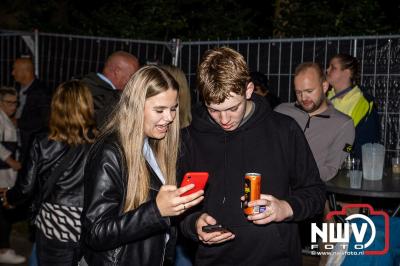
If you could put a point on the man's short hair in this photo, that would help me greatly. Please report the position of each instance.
(7, 90)
(307, 65)
(222, 71)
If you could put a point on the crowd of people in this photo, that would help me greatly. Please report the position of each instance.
(101, 158)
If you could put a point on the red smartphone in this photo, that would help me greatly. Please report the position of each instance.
(199, 179)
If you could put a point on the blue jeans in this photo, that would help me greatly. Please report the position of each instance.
(181, 256)
(33, 261)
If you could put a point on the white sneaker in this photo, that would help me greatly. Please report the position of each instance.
(10, 257)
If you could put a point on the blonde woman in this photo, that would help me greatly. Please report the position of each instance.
(59, 157)
(184, 248)
(130, 184)
(185, 115)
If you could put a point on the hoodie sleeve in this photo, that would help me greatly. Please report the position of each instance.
(184, 159)
(307, 191)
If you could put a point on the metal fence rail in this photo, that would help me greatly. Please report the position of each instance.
(379, 58)
(59, 57)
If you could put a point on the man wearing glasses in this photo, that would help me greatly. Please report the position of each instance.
(9, 165)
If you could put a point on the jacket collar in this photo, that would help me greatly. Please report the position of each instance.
(325, 114)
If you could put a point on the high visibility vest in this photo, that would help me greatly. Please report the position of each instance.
(360, 106)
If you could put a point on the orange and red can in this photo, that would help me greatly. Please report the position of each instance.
(252, 191)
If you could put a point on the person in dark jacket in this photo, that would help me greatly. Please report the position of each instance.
(347, 97)
(106, 87)
(34, 104)
(261, 87)
(130, 177)
(58, 217)
(235, 133)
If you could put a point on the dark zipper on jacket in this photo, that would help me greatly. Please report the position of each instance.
(307, 124)
(225, 166)
(309, 116)
(165, 247)
(309, 120)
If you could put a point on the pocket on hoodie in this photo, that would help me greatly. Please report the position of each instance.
(280, 241)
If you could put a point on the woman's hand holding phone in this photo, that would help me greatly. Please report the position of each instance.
(199, 179)
(170, 202)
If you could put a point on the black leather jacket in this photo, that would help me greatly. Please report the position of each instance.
(45, 155)
(112, 236)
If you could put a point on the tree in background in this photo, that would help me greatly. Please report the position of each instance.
(319, 18)
(202, 19)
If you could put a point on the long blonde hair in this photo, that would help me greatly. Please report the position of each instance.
(72, 114)
(185, 112)
(128, 121)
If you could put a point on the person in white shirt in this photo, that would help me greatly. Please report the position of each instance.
(9, 165)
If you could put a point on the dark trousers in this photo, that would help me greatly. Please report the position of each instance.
(51, 252)
(5, 228)
(7, 218)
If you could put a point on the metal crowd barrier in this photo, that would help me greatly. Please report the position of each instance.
(59, 57)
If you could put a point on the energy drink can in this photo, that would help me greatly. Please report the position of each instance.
(252, 187)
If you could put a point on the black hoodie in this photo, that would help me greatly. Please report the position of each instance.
(268, 143)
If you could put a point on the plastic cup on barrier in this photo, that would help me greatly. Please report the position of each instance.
(352, 164)
(373, 158)
(355, 178)
(396, 166)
